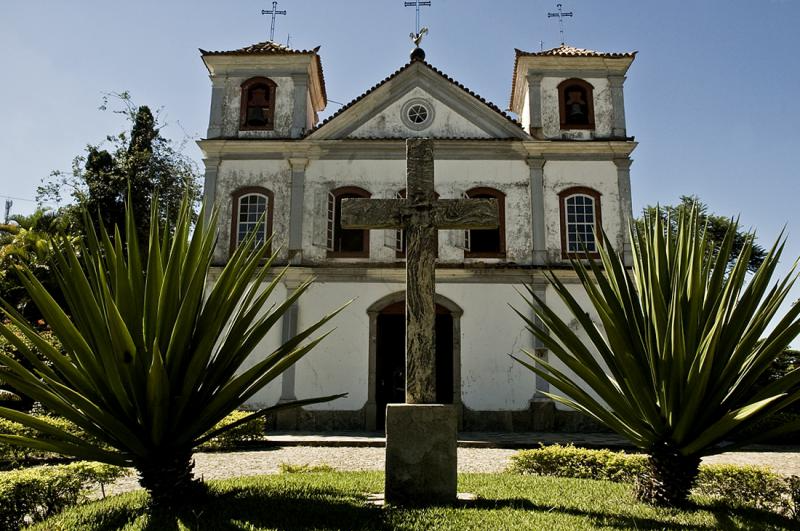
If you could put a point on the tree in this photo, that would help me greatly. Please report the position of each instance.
(681, 346)
(141, 163)
(28, 242)
(714, 226)
(152, 355)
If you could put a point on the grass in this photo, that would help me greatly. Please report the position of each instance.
(336, 500)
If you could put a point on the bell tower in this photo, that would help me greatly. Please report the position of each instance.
(569, 93)
(266, 90)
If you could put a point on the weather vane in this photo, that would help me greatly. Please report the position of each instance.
(274, 14)
(560, 16)
(418, 4)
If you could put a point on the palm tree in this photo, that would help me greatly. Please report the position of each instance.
(152, 355)
(681, 346)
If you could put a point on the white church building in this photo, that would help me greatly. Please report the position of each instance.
(559, 173)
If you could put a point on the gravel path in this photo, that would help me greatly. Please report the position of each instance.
(253, 463)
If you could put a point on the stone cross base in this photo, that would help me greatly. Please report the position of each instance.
(421, 462)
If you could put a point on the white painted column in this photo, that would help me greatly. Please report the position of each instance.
(539, 251)
(625, 205)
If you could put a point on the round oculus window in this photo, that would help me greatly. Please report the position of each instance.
(417, 114)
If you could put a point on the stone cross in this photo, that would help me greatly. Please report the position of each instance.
(420, 215)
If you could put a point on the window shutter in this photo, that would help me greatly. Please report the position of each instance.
(331, 225)
(467, 239)
(320, 238)
(393, 238)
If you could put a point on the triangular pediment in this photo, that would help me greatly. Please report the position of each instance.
(419, 101)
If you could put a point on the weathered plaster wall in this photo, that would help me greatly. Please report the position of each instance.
(447, 123)
(275, 175)
(603, 110)
(272, 392)
(490, 333)
(557, 305)
(490, 379)
(599, 175)
(283, 111)
(384, 178)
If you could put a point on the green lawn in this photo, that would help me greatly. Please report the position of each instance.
(336, 500)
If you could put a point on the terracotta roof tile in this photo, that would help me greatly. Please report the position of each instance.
(266, 47)
(400, 71)
(571, 51)
(274, 48)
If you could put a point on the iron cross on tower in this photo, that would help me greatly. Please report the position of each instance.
(421, 215)
(560, 16)
(418, 4)
(274, 14)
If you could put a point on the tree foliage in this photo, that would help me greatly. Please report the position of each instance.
(683, 342)
(140, 162)
(714, 226)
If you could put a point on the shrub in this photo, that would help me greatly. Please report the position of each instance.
(287, 468)
(794, 494)
(570, 462)
(249, 431)
(748, 486)
(33, 494)
(12, 455)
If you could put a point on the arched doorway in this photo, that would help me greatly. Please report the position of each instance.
(387, 355)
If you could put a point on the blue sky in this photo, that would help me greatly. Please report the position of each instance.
(711, 97)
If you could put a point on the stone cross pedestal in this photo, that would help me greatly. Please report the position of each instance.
(420, 440)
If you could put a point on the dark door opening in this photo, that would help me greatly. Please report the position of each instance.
(390, 363)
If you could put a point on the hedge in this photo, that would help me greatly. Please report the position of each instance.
(33, 494)
(749, 486)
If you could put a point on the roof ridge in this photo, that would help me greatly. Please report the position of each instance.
(264, 47)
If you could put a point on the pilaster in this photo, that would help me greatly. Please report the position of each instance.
(300, 109)
(299, 166)
(618, 105)
(210, 183)
(535, 104)
(625, 205)
(287, 419)
(538, 347)
(539, 250)
(217, 107)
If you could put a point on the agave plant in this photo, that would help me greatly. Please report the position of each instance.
(152, 354)
(682, 342)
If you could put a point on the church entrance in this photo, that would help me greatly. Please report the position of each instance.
(390, 378)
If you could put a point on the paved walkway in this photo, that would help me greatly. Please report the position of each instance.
(484, 452)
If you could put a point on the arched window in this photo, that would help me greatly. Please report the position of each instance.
(580, 221)
(345, 243)
(248, 215)
(576, 104)
(487, 243)
(258, 104)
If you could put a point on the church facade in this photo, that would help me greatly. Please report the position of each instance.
(559, 173)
